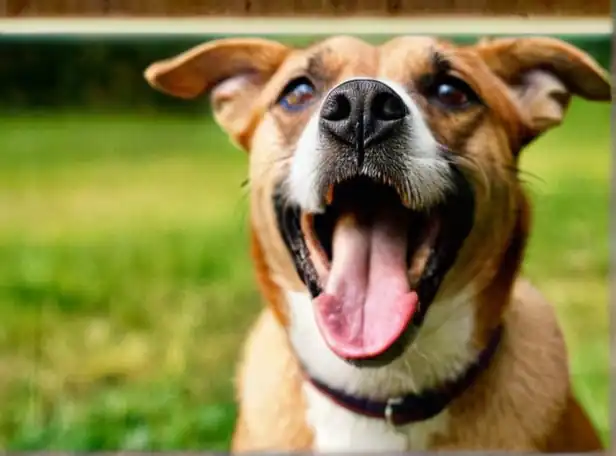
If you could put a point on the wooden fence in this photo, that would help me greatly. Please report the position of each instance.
(260, 8)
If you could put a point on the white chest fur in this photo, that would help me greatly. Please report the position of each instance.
(337, 429)
(441, 350)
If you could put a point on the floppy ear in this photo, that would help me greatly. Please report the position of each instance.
(233, 70)
(543, 73)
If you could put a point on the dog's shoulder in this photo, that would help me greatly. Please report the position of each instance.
(538, 339)
(531, 380)
(268, 370)
(526, 389)
(535, 350)
(574, 432)
(530, 307)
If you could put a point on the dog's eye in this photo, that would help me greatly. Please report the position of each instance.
(298, 94)
(452, 93)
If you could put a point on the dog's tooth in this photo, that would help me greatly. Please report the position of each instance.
(398, 190)
(329, 196)
(405, 199)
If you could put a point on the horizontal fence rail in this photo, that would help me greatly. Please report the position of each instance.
(449, 25)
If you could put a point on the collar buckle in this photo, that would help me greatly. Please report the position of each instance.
(389, 410)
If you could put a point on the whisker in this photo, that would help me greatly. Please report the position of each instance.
(521, 172)
(410, 378)
(419, 353)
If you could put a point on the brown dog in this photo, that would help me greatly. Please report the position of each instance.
(388, 227)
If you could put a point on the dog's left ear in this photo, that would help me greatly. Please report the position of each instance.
(543, 74)
(232, 70)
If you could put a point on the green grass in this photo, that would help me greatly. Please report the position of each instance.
(126, 286)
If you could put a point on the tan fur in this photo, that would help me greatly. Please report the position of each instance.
(264, 424)
(524, 400)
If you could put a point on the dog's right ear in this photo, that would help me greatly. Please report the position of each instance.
(543, 74)
(232, 70)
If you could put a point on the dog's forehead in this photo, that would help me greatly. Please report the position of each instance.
(343, 54)
(408, 55)
(411, 45)
(343, 44)
(348, 56)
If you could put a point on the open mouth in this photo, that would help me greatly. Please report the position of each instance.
(372, 264)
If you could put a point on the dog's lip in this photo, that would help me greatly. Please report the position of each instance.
(317, 253)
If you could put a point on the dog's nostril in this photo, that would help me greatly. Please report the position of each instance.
(388, 106)
(337, 107)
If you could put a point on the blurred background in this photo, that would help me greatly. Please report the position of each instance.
(125, 281)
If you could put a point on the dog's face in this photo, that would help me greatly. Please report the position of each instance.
(383, 178)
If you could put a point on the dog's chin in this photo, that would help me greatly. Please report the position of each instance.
(373, 262)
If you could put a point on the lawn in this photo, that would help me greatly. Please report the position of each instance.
(126, 286)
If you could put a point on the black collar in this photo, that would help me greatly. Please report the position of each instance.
(411, 408)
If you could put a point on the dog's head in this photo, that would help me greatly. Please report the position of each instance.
(383, 178)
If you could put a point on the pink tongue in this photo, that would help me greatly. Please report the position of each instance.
(367, 302)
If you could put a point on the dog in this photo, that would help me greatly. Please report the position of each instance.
(388, 225)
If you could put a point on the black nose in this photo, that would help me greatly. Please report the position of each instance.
(362, 112)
